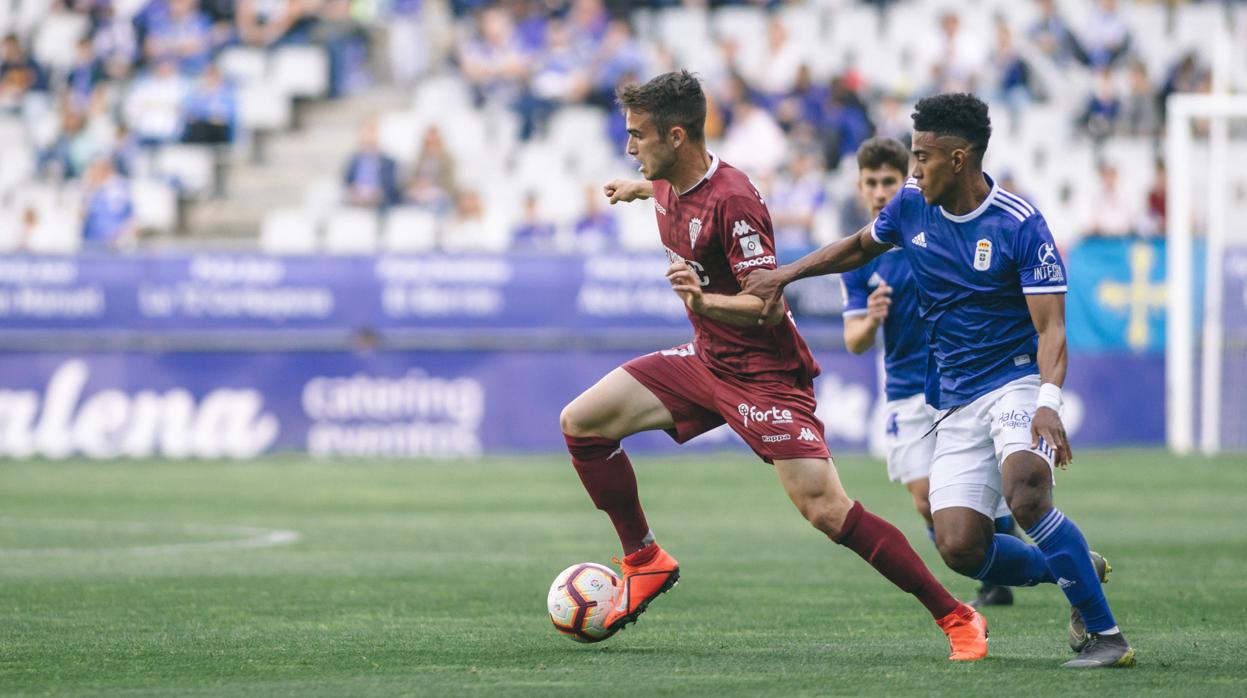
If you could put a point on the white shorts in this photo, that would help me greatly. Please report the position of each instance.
(973, 441)
(909, 439)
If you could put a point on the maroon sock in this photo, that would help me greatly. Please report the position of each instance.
(607, 475)
(885, 548)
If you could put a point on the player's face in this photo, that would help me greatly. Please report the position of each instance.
(654, 154)
(934, 165)
(877, 186)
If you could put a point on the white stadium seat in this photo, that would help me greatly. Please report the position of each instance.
(409, 229)
(262, 106)
(244, 65)
(287, 231)
(351, 230)
(300, 71)
(190, 167)
(155, 204)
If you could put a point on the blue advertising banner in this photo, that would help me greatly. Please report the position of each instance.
(1116, 298)
(245, 293)
(414, 404)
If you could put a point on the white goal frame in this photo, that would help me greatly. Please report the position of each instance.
(1180, 340)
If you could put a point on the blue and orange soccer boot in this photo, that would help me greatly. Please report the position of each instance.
(646, 573)
(966, 629)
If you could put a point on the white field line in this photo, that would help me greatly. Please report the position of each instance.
(239, 537)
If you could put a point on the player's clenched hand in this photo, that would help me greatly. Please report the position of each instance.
(626, 190)
(686, 285)
(765, 284)
(879, 302)
(1047, 425)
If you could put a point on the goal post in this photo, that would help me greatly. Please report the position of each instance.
(1195, 357)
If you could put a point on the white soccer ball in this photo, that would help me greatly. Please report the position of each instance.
(579, 600)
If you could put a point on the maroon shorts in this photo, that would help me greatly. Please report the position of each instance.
(776, 419)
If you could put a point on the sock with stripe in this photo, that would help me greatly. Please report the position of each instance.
(607, 475)
(1069, 560)
(1005, 524)
(1012, 562)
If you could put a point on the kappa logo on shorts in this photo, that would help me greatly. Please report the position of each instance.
(775, 438)
(774, 415)
(806, 435)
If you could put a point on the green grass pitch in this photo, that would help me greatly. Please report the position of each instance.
(156, 578)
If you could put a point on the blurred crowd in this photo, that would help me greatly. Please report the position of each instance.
(1077, 91)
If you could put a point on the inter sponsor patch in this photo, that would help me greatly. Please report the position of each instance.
(751, 245)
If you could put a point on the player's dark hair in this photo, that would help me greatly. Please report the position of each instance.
(959, 114)
(671, 99)
(878, 152)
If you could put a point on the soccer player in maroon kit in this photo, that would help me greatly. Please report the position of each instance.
(758, 379)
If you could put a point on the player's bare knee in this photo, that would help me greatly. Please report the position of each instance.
(962, 551)
(574, 422)
(827, 513)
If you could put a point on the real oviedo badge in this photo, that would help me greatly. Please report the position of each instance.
(983, 255)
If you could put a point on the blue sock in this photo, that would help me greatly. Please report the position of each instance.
(931, 533)
(1070, 561)
(1012, 562)
(1004, 524)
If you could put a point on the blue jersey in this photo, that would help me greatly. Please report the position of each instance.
(904, 340)
(973, 273)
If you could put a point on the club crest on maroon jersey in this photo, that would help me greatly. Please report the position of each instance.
(694, 229)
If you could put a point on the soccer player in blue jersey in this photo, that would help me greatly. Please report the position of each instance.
(882, 294)
(991, 288)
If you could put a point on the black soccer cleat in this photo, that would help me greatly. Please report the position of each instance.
(993, 595)
(1077, 628)
(1103, 652)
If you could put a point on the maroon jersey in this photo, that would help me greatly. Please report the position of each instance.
(721, 227)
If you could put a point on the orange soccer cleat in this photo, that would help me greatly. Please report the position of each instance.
(966, 629)
(646, 573)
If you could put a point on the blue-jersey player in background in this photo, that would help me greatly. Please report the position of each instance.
(991, 292)
(882, 294)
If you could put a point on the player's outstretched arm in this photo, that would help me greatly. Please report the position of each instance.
(860, 330)
(1047, 312)
(740, 310)
(842, 255)
(626, 190)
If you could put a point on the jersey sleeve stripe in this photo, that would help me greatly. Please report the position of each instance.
(875, 235)
(854, 312)
(1022, 203)
(1037, 290)
(1012, 211)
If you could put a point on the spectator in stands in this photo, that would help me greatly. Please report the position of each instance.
(533, 232)
(1012, 82)
(211, 109)
(153, 108)
(1188, 75)
(589, 22)
(108, 216)
(1102, 111)
(1110, 213)
(847, 122)
(1141, 108)
(559, 77)
(596, 230)
(83, 76)
(618, 56)
(183, 34)
(114, 42)
(19, 75)
(797, 197)
(371, 177)
(431, 182)
(774, 73)
(1052, 35)
(126, 151)
(270, 23)
(73, 150)
(1154, 221)
(805, 103)
(961, 56)
(1106, 37)
(408, 42)
(495, 64)
(753, 141)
